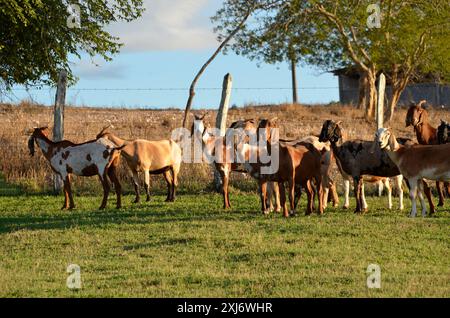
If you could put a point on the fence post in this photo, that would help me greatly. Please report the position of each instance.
(221, 119)
(380, 101)
(58, 120)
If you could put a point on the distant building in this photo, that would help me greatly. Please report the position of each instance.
(436, 94)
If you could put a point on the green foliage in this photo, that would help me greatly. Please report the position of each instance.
(333, 34)
(193, 248)
(36, 40)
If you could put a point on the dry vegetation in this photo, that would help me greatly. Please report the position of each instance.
(81, 124)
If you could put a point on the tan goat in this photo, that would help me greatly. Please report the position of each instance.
(416, 163)
(150, 157)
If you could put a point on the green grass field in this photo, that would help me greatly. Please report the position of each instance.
(192, 248)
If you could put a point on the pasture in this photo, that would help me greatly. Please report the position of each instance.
(192, 247)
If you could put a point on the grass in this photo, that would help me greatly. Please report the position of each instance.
(192, 248)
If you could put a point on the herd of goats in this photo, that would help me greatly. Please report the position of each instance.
(303, 164)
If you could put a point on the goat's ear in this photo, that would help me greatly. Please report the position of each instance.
(203, 116)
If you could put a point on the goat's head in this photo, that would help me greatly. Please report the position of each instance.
(331, 131)
(443, 132)
(383, 137)
(198, 127)
(36, 133)
(417, 114)
(267, 128)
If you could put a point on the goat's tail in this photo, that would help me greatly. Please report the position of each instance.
(114, 155)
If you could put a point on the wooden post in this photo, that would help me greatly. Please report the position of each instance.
(221, 119)
(380, 102)
(58, 120)
(294, 82)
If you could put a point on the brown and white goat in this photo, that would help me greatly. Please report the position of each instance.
(97, 157)
(150, 157)
(357, 158)
(416, 163)
(211, 144)
(417, 116)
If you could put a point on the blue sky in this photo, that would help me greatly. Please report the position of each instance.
(164, 50)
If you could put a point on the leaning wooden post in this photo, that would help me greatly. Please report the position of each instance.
(58, 120)
(380, 102)
(221, 119)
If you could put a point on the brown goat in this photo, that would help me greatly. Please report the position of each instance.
(417, 116)
(294, 167)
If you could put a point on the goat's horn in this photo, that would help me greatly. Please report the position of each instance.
(422, 102)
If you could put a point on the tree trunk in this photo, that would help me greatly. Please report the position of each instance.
(362, 100)
(392, 104)
(371, 93)
(197, 77)
(294, 81)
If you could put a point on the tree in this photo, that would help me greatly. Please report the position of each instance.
(267, 38)
(410, 40)
(240, 10)
(37, 37)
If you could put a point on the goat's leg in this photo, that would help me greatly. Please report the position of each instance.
(346, 194)
(314, 193)
(168, 179)
(321, 194)
(136, 186)
(334, 194)
(363, 197)
(263, 196)
(66, 195)
(226, 194)
(412, 195)
(399, 185)
(387, 184)
(174, 171)
(309, 198)
(429, 195)
(380, 188)
(270, 193)
(276, 192)
(422, 201)
(112, 174)
(357, 192)
(326, 192)
(291, 184)
(106, 189)
(147, 183)
(439, 187)
(283, 199)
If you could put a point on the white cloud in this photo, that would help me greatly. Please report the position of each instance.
(169, 25)
(98, 70)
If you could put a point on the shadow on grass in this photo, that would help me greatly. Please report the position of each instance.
(8, 189)
(134, 215)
